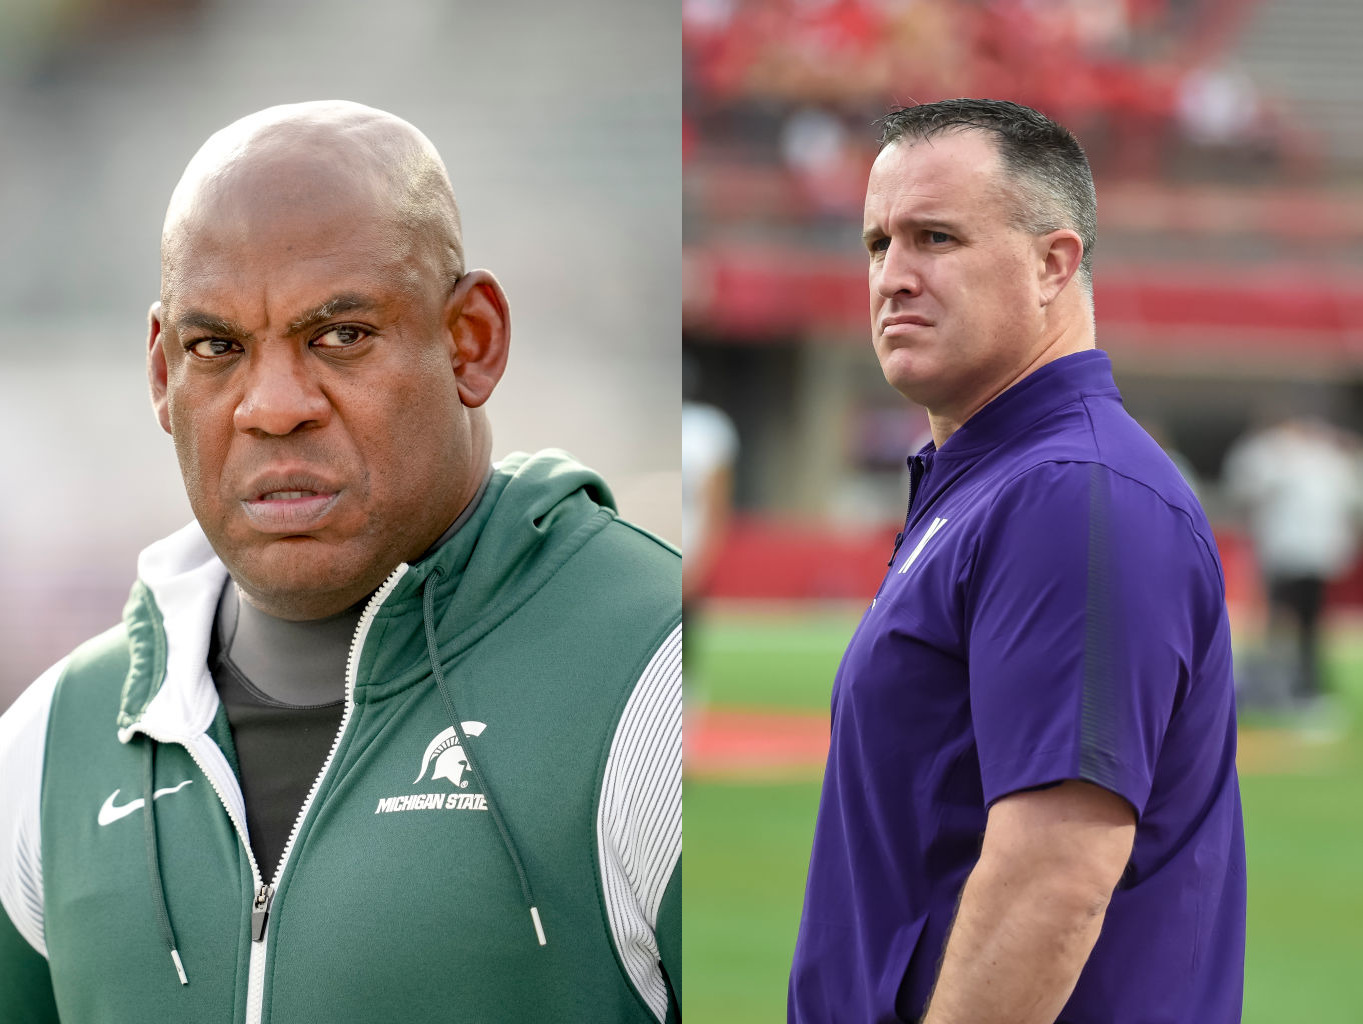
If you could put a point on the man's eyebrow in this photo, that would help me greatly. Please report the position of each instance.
(914, 223)
(946, 224)
(346, 302)
(197, 319)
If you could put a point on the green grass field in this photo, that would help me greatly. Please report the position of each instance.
(747, 844)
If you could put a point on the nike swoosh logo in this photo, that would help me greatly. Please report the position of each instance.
(110, 812)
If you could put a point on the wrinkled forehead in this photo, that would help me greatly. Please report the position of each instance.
(237, 242)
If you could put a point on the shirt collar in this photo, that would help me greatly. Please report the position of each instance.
(1034, 397)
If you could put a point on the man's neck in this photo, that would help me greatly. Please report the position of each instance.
(944, 423)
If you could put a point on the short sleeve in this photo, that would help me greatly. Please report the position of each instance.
(1080, 615)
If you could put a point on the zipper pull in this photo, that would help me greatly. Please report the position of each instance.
(260, 912)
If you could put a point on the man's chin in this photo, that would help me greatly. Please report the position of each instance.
(299, 578)
(910, 382)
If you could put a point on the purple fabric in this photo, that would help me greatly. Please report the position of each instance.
(1060, 614)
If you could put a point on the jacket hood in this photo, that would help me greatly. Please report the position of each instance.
(535, 512)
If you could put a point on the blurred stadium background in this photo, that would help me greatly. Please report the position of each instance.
(561, 127)
(1226, 138)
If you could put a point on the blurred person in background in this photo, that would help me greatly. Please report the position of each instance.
(1299, 487)
(1030, 810)
(385, 706)
(709, 451)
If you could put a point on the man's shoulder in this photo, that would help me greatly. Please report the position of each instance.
(99, 663)
(574, 504)
(634, 540)
(631, 568)
(634, 549)
(1095, 437)
(97, 657)
(1115, 488)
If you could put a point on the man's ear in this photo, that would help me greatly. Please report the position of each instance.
(156, 367)
(1061, 254)
(479, 326)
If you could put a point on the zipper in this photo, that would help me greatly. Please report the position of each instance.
(257, 962)
(916, 469)
(237, 823)
(264, 894)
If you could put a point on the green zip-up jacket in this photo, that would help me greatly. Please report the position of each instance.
(511, 740)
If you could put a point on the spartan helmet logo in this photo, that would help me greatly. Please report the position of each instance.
(450, 759)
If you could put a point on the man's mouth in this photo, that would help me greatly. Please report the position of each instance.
(903, 323)
(290, 510)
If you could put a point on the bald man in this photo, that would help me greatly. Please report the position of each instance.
(389, 732)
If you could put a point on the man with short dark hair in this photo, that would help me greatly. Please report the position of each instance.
(389, 732)
(1030, 811)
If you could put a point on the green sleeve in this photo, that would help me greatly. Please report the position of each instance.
(669, 932)
(25, 983)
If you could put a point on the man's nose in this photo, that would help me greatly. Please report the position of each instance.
(899, 272)
(282, 394)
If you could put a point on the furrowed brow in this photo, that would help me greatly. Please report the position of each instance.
(911, 223)
(929, 222)
(195, 319)
(346, 302)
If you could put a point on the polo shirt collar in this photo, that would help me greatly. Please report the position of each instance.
(1036, 396)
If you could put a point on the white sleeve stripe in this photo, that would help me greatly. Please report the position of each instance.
(30, 874)
(639, 819)
(23, 737)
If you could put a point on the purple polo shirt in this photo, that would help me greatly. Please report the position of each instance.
(1055, 610)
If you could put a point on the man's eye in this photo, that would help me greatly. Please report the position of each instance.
(210, 348)
(939, 237)
(878, 244)
(341, 337)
